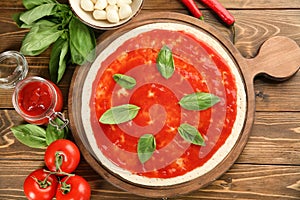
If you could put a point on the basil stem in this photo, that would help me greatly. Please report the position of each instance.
(165, 62)
(191, 134)
(146, 147)
(119, 114)
(30, 135)
(124, 81)
(198, 101)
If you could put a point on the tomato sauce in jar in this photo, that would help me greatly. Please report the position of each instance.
(37, 100)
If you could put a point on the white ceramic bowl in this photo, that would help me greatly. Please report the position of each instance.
(87, 17)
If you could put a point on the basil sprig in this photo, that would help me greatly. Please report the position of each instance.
(146, 147)
(191, 134)
(30, 135)
(119, 114)
(124, 81)
(165, 62)
(53, 23)
(37, 137)
(198, 101)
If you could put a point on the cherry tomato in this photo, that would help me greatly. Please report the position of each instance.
(73, 188)
(40, 185)
(62, 156)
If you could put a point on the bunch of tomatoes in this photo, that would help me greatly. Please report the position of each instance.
(61, 158)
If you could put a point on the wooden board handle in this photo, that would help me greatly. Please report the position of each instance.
(278, 59)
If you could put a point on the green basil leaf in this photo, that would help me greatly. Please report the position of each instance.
(39, 39)
(29, 4)
(165, 62)
(41, 24)
(146, 147)
(198, 101)
(191, 134)
(119, 114)
(82, 42)
(124, 81)
(63, 59)
(16, 18)
(30, 135)
(52, 133)
(58, 59)
(37, 13)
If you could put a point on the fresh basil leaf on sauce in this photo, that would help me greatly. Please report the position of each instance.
(124, 81)
(198, 101)
(191, 134)
(119, 114)
(52, 133)
(30, 135)
(165, 62)
(146, 147)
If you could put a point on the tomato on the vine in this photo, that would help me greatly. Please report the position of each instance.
(40, 185)
(62, 156)
(73, 188)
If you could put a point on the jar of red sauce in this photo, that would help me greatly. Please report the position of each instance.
(38, 101)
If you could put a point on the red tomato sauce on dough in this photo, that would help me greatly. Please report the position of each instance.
(198, 68)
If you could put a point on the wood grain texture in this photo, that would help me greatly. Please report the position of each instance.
(75, 107)
(171, 4)
(275, 135)
(242, 181)
(268, 168)
(270, 95)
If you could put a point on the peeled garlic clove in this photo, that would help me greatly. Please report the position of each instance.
(112, 16)
(94, 1)
(112, 7)
(87, 5)
(99, 14)
(121, 2)
(100, 4)
(125, 11)
(112, 2)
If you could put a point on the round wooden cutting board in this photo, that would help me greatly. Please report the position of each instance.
(278, 58)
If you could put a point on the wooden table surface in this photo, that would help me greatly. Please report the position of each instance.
(269, 166)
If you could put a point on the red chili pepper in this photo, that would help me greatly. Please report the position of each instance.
(193, 8)
(220, 10)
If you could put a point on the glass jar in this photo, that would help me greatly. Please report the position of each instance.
(39, 101)
(13, 68)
